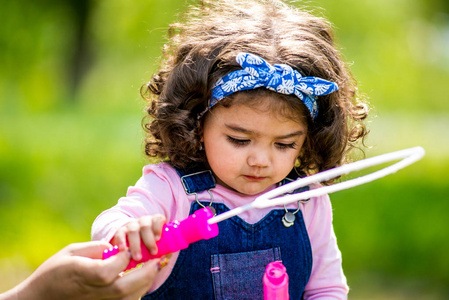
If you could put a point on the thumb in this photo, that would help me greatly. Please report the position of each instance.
(117, 263)
(106, 271)
(93, 249)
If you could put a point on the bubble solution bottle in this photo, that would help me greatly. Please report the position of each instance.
(275, 282)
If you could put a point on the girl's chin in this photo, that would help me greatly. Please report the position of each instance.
(253, 190)
(248, 187)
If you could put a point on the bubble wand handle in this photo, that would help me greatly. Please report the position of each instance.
(176, 235)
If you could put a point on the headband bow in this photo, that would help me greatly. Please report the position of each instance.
(280, 78)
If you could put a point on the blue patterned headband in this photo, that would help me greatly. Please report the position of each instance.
(280, 78)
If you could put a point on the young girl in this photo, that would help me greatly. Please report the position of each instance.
(251, 94)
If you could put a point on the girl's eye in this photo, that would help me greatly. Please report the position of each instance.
(284, 146)
(238, 142)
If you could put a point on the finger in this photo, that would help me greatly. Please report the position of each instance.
(117, 263)
(93, 249)
(134, 240)
(135, 283)
(164, 260)
(120, 238)
(147, 234)
(158, 223)
(104, 272)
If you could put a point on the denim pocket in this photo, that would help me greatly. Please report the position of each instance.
(240, 275)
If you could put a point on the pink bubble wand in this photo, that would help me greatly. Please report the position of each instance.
(176, 235)
(202, 224)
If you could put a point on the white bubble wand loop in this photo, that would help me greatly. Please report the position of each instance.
(269, 199)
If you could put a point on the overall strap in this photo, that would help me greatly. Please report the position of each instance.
(196, 180)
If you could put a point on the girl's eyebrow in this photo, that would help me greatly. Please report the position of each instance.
(290, 135)
(251, 132)
(239, 129)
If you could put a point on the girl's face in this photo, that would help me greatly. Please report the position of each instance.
(249, 149)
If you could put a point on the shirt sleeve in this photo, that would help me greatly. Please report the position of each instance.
(327, 280)
(153, 193)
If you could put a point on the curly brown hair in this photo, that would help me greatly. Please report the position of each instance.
(203, 49)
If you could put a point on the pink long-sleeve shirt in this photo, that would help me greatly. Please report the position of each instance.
(159, 191)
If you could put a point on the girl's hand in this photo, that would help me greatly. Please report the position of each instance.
(147, 228)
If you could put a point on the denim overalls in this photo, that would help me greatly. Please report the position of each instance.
(232, 265)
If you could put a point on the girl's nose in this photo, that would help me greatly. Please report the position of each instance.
(259, 158)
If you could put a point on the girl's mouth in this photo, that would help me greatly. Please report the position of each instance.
(254, 178)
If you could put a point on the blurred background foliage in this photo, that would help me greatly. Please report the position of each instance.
(71, 137)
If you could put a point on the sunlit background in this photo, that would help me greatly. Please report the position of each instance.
(71, 137)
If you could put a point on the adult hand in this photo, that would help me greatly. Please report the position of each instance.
(78, 272)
